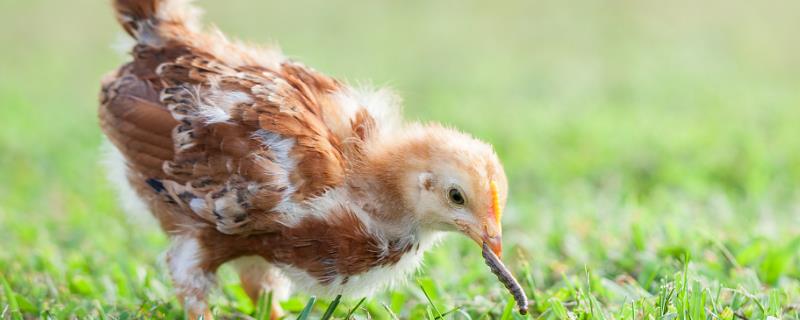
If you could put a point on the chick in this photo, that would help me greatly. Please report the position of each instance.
(301, 181)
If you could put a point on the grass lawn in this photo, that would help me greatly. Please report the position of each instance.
(652, 148)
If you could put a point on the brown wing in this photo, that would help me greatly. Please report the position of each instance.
(239, 147)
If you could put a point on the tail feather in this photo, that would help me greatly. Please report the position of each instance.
(161, 23)
(154, 21)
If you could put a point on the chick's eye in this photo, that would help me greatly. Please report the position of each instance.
(455, 196)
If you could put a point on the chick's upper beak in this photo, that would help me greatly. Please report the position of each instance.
(495, 243)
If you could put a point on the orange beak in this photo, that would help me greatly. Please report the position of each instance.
(491, 232)
(495, 243)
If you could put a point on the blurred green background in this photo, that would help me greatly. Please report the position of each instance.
(633, 133)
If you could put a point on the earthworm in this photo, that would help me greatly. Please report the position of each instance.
(506, 278)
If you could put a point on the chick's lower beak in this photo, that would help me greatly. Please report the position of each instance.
(492, 238)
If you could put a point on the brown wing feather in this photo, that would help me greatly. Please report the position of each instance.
(233, 172)
(139, 126)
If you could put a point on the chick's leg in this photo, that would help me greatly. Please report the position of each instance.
(259, 277)
(191, 280)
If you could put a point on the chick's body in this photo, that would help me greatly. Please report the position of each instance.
(300, 180)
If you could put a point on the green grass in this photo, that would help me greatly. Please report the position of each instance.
(653, 150)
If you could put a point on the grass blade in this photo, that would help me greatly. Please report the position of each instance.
(11, 298)
(264, 307)
(353, 310)
(430, 302)
(429, 313)
(508, 310)
(331, 308)
(101, 312)
(390, 312)
(451, 311)
(307, 310)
